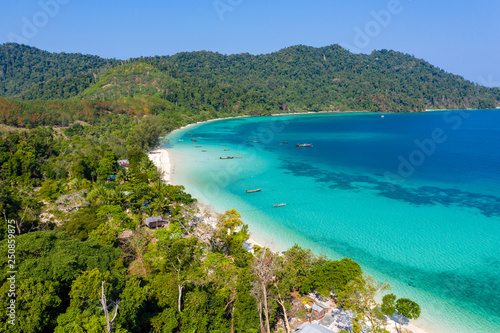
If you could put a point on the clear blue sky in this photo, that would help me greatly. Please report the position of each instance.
(461, 36)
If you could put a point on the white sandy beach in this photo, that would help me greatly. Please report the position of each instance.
(161, 160)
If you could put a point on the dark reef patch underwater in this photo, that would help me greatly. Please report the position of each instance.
(433, 233)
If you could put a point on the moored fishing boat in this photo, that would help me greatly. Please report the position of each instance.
(226, 158)
(253, 191)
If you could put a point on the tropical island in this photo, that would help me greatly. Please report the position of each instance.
(101, 243)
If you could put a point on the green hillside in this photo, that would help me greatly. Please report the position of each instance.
(58, 88)
(304, 78)
(66, 112)
(294, 79)
(204, 85)
(23, 67)
(130, 79)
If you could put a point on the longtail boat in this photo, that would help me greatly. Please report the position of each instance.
(253, 191)
(226, 158)
(304, 145)
(280, 205)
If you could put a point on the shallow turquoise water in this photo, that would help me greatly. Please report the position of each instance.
(415, 198)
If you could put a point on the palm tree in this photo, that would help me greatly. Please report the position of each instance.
(117, 197)
(123, 175)
(146, 164)
(99, 194)
(159, 201)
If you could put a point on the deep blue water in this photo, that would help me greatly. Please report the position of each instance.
(415, 198)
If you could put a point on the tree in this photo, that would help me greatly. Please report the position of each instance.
(54, 256)
(36, 305)
(246, 315)
(146, 135)
(81, 223)
(407, 308)
(10, 205)
(88, 309)
(159, 201)
(28, 214)
(388, 306)
(193, 219)
(334, 275)
(281, 286)
(182, 258)
(105, 234)
(51, 190)
(47, 264)
(300, 264)
(263, 269)
(135, 248)
(165, 322)
(359, 296)
(404, 307)
(222, 274)
(292, 272)
(195, 316)
(231, 233)
(107, 165)
(133, 312)
(104, 304)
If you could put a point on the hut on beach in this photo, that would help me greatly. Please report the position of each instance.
(155, 222)
(318, 310)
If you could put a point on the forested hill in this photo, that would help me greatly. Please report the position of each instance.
(297, 78)
(23, 68)
(331, 78)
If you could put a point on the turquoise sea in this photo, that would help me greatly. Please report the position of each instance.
(414, 198)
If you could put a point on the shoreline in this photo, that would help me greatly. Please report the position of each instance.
(164, 161)
(310, 113)
(271, 115)
(414, 327)
(269, 243)
(161, 159)
(420, 326)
